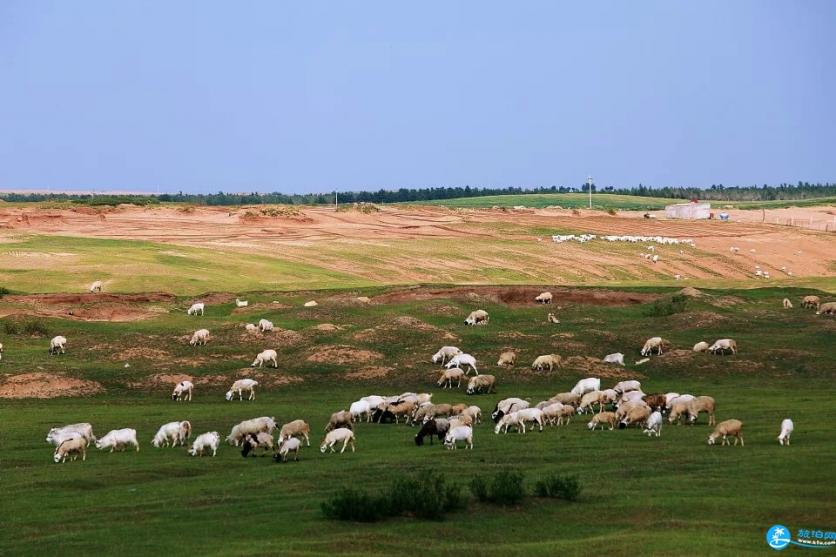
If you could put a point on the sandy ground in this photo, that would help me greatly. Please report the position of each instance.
(805, 252)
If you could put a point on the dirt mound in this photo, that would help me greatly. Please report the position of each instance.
(90, 307)
(55, 299)
(140, 353)
(401, 324)
(46, 385)
(341, 355)
(727, 301)
(375, 372)
(595, 367)
(696, 319)
(691, 292)
(327, 327)
(519, 295)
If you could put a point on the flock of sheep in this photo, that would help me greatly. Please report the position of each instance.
(622, 405)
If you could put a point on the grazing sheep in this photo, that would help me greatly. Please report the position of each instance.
(701, 346)
(242, 386)
(432, 428)
(266, 356)
(437, 410)
(196, 308)
(551, 412)
(679, 408)
(205, 442)
(552, 318)
(787, 428)
(460, 360)
(296, 428)
(183, 391)
(340, 419)
(72, 446)
(265, 326)
(566, 398)
(653, 425)
(57, 345)
(631, 396)
(787, 303)
(445, 380)
(334, 437)
(701, 404)
(588, 400)
(669, 397)
(311, 304)
(474, 412)
(374, 401)
(602, 419)
(567, 412)
(549, 361)
(615, 358)
(544, 298)
(254, 426)
(96, 286)
(360, 411)
(461, 433)
(172, 434)
(827, 309)
(250, 328)
(118, 439)
(58, 435)
(507, 359)
(478, 317)
(200, 337)
(653, 344)
(657, 401)
(811, 302)
(404, 409)
(720, 346)
(519, 419)
(506, 406)
(286, 446)
(626, 386)
(1, 350)
(635, 415)
(444, 354)
(253, 441)
(481, 384)
(457, 409)
(586, 385)
(457, 421)
(241, 303)
(726, 428)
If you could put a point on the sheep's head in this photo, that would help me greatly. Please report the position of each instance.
(99, 444)
(711, 439)
(229, 395)
(56, 457)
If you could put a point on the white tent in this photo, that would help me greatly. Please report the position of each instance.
(688, 211)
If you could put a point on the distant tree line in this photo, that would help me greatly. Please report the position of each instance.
(718, 192)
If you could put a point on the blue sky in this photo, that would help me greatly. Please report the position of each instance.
(300, 97)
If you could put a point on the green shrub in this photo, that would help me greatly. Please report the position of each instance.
(35, 328)
(560, 487)
(11, 328)
(667, 306)
(4, 291)
(506, 488)
(352, 504)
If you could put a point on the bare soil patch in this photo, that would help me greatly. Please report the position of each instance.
(519, 295)
(374, 372)
(46, 385)
(341, 355)
(597, 368)
(696, 319)
(89, 307)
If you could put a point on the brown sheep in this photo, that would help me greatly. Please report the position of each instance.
(726, 428)
(701, 404)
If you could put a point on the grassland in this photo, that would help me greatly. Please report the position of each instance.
(668, 496)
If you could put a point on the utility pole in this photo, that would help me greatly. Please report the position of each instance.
(589, 185)
(336, 203)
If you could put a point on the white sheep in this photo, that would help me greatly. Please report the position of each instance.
(264, 325)
(701, 346)
(787, 303)
(310, 304)
(242, 386)
(477, 317)
(266, 356)
(250, 328)
(205, 442)
(172, 434)
(787, 428)
(586, 385)
(1, 350)
(96, 286)
(474, 412)
(74, 446)
(57, 345)
(335, 436)
(57, 435)
(544, 298)
(552, 412)
(615, 358)
(241, 303)
(200, 337)
(196, 308)
(375, 401)
(360, 411)
(460, 360)
(289, 445)
(183, 391)
(720, 346)
(627, 386)
(652, 344)
(445, 353)
(508, 405)
(507, 359)
(256, 425)
(118, 439)
(481, 384)
(460, 433)
(653, 425)
(549, 361)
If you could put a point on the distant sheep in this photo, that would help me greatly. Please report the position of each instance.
(253, 441)
(96, 286)
(811, 302)
(461, 433)
(720, 346)
(552, 318)
(287, 446)
(627, 386)
(196, 308)
(183, 391)
(481, 384)
(615, 358)
(250, 328)
(57, 345)
(461, 360)
(787, 303)
(296, 428)
(240, 387)
(266, 356)
(506, 406)
(444, 354)
(73, 447)
(1, 350)
(338, 420)
(544, 298)
(445, 381)
(566, 398)
(602, 419)
(733, 428)
(507, 359)
(787, 428)
(255, 425)
(360, 410)
(205, 442)
(653, 425)
(549, 361)
(701, 404)
(586, 385)
(701, 346)
(58, 435)
(200, 337)
(172, 434)
(311, 304)
(474, 412)
(827, 309)
(241, 303)
(265, 326)
(478, 317)
(334, 437)
(118, 439)
(636, 415)
(653, 344)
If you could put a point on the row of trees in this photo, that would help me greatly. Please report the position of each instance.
(801, 190)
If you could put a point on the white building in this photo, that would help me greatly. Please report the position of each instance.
(688, 211)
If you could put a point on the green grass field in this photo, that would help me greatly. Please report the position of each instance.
(668, 496)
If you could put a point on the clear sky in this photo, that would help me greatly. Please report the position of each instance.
(312, 96)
